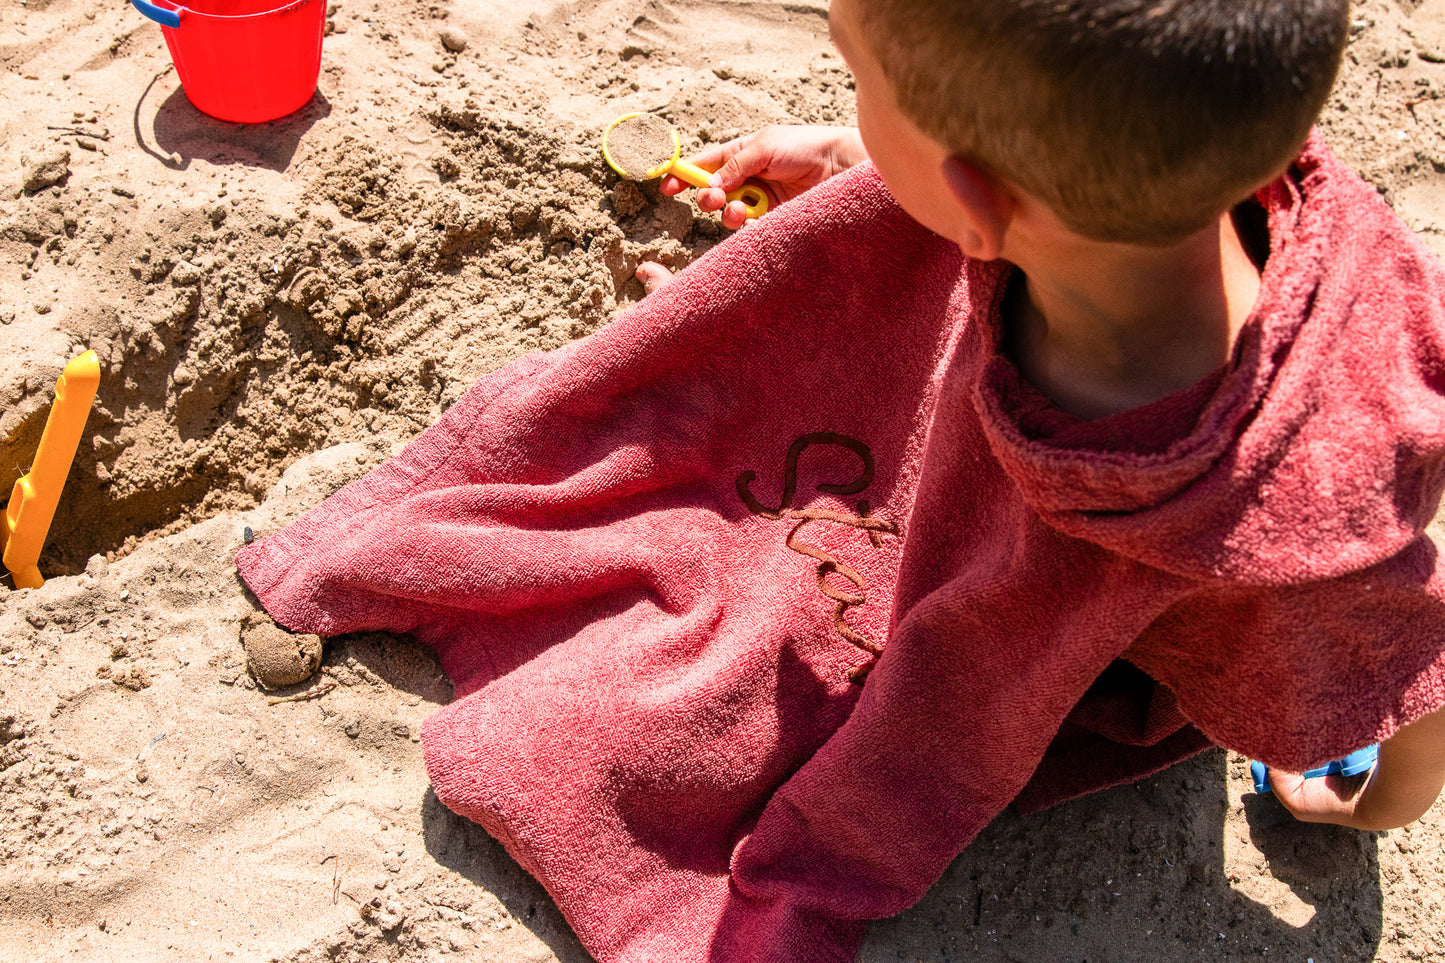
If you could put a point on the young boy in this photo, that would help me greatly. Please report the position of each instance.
(763, 600)
(1097, 326)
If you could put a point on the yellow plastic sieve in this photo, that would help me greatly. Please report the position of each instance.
(754, 198)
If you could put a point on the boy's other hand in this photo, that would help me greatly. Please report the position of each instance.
(1326, 799)
(653, 276)
(786, 160)
(1405, 782)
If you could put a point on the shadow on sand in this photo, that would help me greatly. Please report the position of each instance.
(465, 848)
(176, 133)
(1149, 872)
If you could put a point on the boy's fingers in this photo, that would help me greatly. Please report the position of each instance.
(742, 165)
(1285, 785)
(711, 199)
(735, 215)
(1319, 800)
(1292, 791)
(653, 276)
(711, 158)
(745, 157)
(708, 199)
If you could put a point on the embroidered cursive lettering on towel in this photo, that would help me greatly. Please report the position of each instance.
(827, 564)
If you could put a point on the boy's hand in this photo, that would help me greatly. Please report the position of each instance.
(1405, 782)
(787, 160)
(1327, 799)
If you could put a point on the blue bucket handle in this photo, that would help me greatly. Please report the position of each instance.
(1361, 760)
(161, 15)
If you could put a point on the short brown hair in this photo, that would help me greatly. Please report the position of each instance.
(1134, 120)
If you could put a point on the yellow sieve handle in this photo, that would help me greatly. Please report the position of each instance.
(32, 503)
(754, 198)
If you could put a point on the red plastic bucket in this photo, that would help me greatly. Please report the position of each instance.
(243, 60)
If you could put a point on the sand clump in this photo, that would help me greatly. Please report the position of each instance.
(46, 172)
(453, 39)
(279, 307)
(276, 657)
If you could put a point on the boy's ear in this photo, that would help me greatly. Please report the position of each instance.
(987, 204)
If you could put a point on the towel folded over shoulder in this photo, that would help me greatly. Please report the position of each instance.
(761, 601)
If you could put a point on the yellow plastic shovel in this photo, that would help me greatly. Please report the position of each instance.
(32, 504)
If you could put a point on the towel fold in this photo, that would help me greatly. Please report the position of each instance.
(763, 600)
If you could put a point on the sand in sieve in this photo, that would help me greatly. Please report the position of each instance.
(640, 144)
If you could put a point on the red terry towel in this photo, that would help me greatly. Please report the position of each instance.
(660, 565)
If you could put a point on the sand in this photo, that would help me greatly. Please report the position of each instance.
(278, 307)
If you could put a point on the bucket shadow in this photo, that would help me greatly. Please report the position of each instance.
(178, 133)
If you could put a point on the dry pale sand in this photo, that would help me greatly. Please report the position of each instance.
(279, 306)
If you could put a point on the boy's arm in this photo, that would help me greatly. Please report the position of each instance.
(1405, 783)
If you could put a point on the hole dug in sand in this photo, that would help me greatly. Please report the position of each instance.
(241, 331)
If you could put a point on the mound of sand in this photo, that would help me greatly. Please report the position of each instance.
(279, 306)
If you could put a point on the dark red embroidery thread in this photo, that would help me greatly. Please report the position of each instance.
(827, 564)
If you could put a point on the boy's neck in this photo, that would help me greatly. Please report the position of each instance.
(1100, 327)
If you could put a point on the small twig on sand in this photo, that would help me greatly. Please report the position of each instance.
(1410, 105)
(80, 132)
(315, 692)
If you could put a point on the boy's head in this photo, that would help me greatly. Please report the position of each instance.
(1132, 120)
